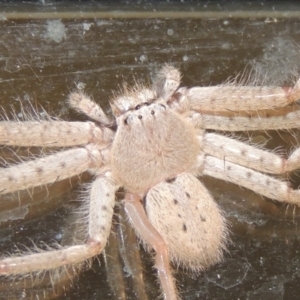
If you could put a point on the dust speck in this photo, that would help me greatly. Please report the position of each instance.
(143, 58)
(87, 26)
(55, 31)
(170, 31)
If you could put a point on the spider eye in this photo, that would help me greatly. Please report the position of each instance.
(137, 107)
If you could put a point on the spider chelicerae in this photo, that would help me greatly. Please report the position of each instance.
(154, 147)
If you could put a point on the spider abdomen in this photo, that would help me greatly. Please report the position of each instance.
(152, 144)
(183, 210)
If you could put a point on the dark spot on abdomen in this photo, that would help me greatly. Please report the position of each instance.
(171, 180)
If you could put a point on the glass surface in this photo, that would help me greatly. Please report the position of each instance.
(44, 56)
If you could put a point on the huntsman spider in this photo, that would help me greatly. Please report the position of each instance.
(154, 147)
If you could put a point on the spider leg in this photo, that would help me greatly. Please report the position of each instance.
(52, 133)
(262, 184)
(239, 98)
(100, 211)
(246, 123)
(143, 227)
(53, 283)
(83, 104)
(60, 166)
(166, 82)
(248, 156)
(122, 254)
(114, 267)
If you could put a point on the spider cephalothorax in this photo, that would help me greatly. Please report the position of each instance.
(154, 149)
(158, 144)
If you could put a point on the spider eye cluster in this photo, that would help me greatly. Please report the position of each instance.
(137, 107)
(133, 99)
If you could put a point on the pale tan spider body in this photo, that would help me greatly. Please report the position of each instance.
(196, 222)
(161, 143)
(167, 145)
